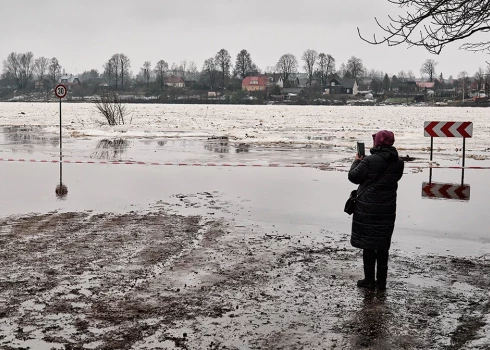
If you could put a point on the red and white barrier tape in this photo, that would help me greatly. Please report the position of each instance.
(272, 165)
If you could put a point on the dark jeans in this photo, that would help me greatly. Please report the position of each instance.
(370, 257)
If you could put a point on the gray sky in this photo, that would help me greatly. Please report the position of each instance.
(84, 34)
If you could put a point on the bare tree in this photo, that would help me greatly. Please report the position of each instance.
(210, 72)
(54, 70)
(244, 64)
(147, 71)
(342, 70)
(114, 64)
(463, 81)
(402, 76)
(160, 70)
(41, 65)
(112, 109)
(326, 66)
(286, 66)
(375, 74)
(309, 58)
(355, 67)
(183, 68)
(174, 69)
(19, 67)
(479, 77)
(108, 72)
(429, 68)
(125, 64)
(433, 24)
(410, 75)
(223, 61)
(192, 71)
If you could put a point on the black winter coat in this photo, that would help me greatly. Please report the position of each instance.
(373, 221)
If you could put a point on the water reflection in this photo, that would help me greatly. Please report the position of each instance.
(370, 323)
(61, 189)
(218, 145)
(110, 149)
(26, 135)
(242, 148)
(448, 191)
(320, 138)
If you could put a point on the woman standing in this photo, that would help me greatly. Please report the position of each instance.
(373, 221)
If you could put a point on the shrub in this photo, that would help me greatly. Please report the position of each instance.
(113, 110)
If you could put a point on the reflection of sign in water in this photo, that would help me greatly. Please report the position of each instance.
(446, 191)
(448, 129)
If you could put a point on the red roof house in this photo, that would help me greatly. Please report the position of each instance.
(256, 83)
(426, 85)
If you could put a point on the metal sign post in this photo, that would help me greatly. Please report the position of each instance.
(448, 129)
(61, 190)
(60, 92)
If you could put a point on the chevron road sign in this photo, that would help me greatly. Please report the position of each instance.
(446, 191)
(448, 129)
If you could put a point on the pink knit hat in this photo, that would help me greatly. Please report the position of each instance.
(384, 138)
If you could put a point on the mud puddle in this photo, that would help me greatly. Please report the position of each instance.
(156, 280)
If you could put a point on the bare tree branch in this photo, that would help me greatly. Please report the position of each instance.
(433, 24)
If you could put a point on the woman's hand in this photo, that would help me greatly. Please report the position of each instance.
(358, 157)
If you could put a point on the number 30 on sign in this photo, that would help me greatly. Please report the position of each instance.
(60, 91)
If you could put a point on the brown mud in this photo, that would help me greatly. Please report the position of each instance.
(156, 280)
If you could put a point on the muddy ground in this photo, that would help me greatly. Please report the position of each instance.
(157, 280)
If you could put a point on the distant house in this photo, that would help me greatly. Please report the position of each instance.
(364, 83)
(425, 85)
(292, 93)
(174, 81)
(38, 84)
(190, 82)
(275, 79)
(302, 82)
(70, 81)
(339, 86)
(255, 83)
(407, 86)
(298, 79)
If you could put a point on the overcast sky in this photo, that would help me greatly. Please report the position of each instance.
(84, 34)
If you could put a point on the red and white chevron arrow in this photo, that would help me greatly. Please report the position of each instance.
(448, 129)
(446, 191)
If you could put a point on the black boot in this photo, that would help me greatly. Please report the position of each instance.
(381, 274)
(368, 281)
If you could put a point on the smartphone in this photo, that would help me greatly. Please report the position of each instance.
(360, 149)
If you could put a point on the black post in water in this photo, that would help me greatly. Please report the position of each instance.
(61, 143)
(464, 150)
(431, 146)
(464, 156)
(430, 175)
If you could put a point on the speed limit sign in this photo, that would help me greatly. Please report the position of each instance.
(60, 91)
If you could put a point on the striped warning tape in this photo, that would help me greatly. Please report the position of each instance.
(271, 165)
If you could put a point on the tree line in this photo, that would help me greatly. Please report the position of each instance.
(217, 72)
